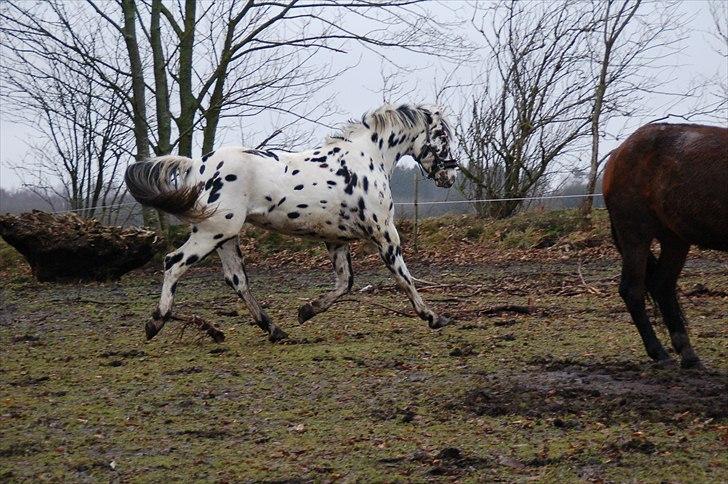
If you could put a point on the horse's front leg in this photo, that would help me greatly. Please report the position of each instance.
(176, 263)
(341, 260)
(236, 277)
(391, 252)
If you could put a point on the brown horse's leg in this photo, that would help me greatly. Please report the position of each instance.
(662, 288)
(635, 251)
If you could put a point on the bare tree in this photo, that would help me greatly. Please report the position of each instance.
(627, 44)
(533, 110)
(83, 143)
(203, 62)
(719, 12)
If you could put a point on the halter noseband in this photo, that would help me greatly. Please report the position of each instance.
(438, 163)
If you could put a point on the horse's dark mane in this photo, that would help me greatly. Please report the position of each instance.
(404, 116)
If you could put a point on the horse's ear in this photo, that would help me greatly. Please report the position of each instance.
(372, 120)
(366, 120)
(427, 113)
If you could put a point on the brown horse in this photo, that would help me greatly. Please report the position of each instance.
(667, 182)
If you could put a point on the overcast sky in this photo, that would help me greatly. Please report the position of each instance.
(358, 89)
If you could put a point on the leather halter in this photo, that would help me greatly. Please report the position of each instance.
(438, 163)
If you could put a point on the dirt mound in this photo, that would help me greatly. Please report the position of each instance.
(67, 247)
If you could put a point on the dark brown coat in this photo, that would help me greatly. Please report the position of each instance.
(667, 182)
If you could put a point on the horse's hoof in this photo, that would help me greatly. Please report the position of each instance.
(305, 313)
(277, 335)
(151, 329)
(439, 322)
(691, 364)
(666, 363)
(157, 315)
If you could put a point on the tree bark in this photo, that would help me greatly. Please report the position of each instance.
(152, 218)
(187, 101)
(610, 37)
(161, 96)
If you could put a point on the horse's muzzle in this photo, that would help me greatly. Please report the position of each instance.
(444, 179)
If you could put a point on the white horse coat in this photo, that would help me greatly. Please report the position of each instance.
(336, 193)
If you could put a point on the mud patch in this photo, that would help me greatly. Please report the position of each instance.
(619, 390)
(123, 354)
(20, 449)
(450, 461)
(30, 381)
(25, 338)
(206, 433)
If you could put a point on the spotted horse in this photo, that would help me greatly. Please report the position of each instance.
(336, 193)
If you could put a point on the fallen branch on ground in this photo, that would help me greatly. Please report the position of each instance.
(396, 311)
(208, 328)
(590, 289)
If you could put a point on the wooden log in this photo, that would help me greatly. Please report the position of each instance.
(66, 247)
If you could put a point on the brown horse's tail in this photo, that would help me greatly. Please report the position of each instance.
(614, 238)
(160, 183)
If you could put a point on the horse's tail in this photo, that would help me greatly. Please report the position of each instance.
(160, 183)
(615, 238)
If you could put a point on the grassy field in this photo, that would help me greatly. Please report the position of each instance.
(360, 393)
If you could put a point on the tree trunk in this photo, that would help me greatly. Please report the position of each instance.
(623, 17)
(587, 203)
(187, 101)
(152, 218)
(212, 115)
(161, 95)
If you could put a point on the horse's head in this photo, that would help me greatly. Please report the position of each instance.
(432, 148)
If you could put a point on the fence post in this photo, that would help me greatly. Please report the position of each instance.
(416, 210)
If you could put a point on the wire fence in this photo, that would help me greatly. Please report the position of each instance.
(439, 207)
(487, 200)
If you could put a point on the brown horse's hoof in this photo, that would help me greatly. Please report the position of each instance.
(305, 313)
(439, 322)
(692, 364)
(151, 330)
(277, 335)
(666, 363)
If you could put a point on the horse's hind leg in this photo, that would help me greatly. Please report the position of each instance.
(176, 263)
(341, 260)
(635, 251)
(237, 278)
(391, 253)
(661, 285)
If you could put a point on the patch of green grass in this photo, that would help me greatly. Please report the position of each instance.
(522, 231)
(9, 257)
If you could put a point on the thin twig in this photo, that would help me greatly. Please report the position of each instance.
(396, 311)
(591, 289)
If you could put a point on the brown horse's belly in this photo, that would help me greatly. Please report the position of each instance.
(692, 202)
(704, 230)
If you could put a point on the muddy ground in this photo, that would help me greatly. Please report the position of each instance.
(563, 393)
